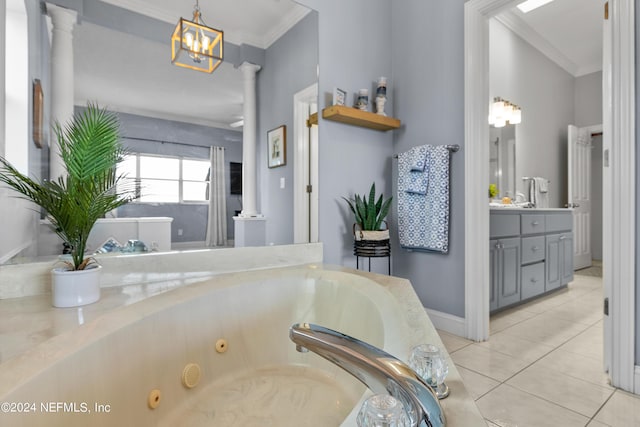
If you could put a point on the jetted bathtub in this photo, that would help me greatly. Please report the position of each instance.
(125, 368)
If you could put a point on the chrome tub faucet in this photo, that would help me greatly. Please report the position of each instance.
(378, 370)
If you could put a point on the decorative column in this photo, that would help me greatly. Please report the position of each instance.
(249, 111)
(61, 78)
(250, 226)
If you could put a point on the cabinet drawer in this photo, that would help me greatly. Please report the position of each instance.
(559, 222)
(532, 280)
(532, 249)
(504, 225)
(532, 223)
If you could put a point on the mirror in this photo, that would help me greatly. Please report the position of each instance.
(502, 160)
(180, 97)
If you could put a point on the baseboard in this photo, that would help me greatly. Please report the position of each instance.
(447, 322)
(636, 380)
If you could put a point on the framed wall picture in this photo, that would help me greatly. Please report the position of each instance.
(339, 96)
(277, 146)
(38, 114)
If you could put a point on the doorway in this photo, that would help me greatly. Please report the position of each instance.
(305, 168)
(618, 180)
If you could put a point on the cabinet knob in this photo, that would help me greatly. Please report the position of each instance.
(535, 249)
(563, 237)
(534, 223)
(534, 280)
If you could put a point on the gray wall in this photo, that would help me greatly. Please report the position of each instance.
(588, 100)
(429, 99)
(545, 92)
(191, 218)
(354, 50)
(291, 65)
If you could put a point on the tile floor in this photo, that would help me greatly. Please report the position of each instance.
(542, 365)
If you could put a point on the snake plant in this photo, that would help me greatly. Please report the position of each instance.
(369, 214)
(90, 149)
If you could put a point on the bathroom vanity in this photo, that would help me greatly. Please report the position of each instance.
(531, 253)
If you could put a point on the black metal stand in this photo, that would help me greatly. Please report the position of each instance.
(372, 249)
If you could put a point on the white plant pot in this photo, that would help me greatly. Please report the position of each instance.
(75, 288)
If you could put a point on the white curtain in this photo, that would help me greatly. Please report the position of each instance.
(217, 221)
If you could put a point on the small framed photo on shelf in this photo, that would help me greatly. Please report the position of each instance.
(339, 96)
(277, 146)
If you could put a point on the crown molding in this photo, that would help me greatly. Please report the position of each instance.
(143, 8)
(285, 24)
(528, 34)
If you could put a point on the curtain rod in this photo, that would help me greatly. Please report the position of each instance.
(453, 148)
(169, 142)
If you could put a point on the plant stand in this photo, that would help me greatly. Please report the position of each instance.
(372, 249)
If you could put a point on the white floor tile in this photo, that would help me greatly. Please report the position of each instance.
(505, 343)
(575, 365)
(622, 410)
(589, 343)
(489, 363)
(476, 384)
(563, 390)
(453, 342)
(508, 406)
(506, 319)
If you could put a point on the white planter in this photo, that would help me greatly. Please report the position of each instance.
(75, 288)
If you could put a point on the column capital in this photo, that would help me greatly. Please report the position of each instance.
(249, 68)
(61, 17)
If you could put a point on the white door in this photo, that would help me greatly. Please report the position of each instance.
(305, 187)
(579, 182)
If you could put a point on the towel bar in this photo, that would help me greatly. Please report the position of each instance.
(453, 148)
(524, 178)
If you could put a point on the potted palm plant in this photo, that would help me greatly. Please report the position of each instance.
(370, 215)
(90, 149)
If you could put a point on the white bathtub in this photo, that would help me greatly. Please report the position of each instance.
(102, 373)
(119, 358)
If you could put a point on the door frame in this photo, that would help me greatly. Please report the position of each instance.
(619, 209)
(305, 164)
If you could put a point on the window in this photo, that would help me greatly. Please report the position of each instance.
(168, 179)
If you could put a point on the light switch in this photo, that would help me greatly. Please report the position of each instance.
(282, 182)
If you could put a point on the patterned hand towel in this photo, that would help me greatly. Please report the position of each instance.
(423, 219)
(418, 157)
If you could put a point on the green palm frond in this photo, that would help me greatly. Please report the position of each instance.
(369, 213)
(90, 149)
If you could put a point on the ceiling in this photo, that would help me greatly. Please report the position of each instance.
(110, 69)
(569, 32)
(118, 76)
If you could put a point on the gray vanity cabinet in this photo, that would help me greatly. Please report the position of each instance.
(559, 270)
(504, 272)
(531, 252)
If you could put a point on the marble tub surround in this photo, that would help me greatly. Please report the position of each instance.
(20, 280)
(397, 322)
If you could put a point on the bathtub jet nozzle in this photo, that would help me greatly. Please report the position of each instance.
(378, 370)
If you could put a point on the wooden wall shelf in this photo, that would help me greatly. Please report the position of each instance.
(353, 116)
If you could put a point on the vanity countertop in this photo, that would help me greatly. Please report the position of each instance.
(517, 210)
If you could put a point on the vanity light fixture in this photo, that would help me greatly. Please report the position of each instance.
(530, 5)
(502, 112)
(196, 46)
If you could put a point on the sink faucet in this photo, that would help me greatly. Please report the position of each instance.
(378, 370)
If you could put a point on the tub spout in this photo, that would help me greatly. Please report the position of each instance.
(378, 370)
